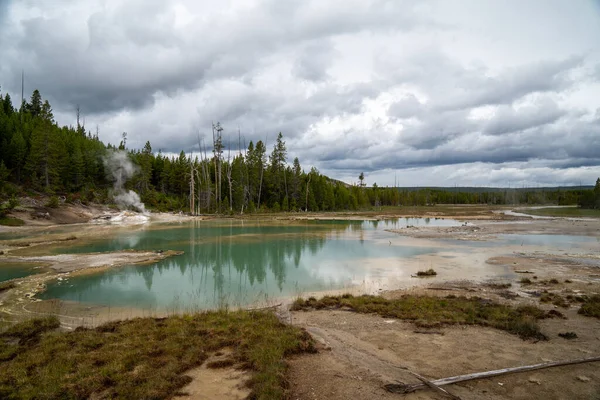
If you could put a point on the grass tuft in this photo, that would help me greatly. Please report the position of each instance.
(498, 285)
(555, 299)
(436, 311)
(147, 358)
(429, 272)
(568, 335)
(10, 221)
(525, 281)
(591, 306)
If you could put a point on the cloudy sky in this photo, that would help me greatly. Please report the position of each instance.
(471, 92)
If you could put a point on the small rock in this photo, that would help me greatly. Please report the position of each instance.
(535, 380)
(583, 378)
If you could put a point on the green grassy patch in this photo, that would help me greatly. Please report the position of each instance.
(143, 358)
(591, 306)
(10, 221)
(432, 310)
(564, 212)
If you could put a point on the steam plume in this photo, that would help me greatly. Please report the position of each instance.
(120, 169)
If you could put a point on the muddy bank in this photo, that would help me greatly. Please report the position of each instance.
(62, 263)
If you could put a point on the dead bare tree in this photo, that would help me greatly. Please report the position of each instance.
(262, 170)
(307, 185)
(192, 189)
(205, 174)
(229, 169)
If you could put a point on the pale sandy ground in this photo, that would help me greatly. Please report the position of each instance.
(487, 230)
(365, 352)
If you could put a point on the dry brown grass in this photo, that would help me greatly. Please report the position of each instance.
(143, 358)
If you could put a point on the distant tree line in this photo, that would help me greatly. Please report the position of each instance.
(591, 198)
(39, 156)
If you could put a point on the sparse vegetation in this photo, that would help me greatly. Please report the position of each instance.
(568, 335)
(555, 299)
(579, 299)
(552, 281)
(525, 281)
(498, 285)
(428, 310)
(429, 272)
(591, 306)
(143, 358)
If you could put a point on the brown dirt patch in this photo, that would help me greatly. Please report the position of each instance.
(228, 383)
(367, 352)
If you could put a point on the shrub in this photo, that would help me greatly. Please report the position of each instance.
(53, 202)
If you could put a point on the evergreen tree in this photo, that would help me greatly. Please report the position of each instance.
(7, 105)
(35, 107)
(18, 150)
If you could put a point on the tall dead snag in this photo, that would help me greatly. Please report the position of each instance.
(262, 170)
(217, 151)
(204, 194)
(192, 190)
(229, 169)
(307, 185)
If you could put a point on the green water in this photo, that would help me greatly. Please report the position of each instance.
(240, 263)
(13, 270)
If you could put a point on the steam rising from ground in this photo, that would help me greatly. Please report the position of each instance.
(120, 169)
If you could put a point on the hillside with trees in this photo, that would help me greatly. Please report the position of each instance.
(39, 156)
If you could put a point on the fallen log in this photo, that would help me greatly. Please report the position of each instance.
(435, 387)
(402, 388)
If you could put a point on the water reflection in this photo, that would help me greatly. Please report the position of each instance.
(238, 263)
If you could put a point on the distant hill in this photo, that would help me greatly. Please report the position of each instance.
(481, 189)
